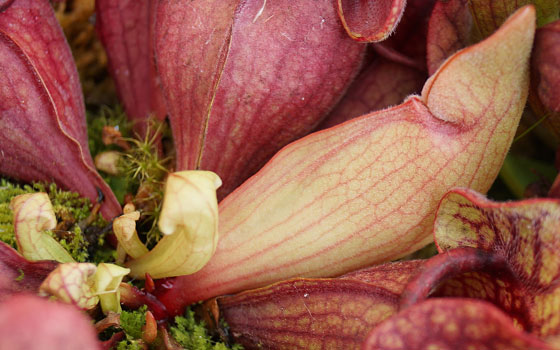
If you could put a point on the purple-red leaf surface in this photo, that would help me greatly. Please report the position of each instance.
(449, 30)
(134, 298)
(326, 204)
(545, 75)
(396, 70)
(42, 114)
(126, 30)
(451, 324)
(370, 20)
(457, 24)
(407, 45)
(317, 313)
(31, 323)
(489, 15)
(546, 60)
(242, 79)
(19, 275)
(472, 273)
(506, 254)
(555, 188)
(382, 84)
(525, 236)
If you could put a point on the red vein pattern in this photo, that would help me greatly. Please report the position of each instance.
(42, 114)
(125, 29)
(525, 234)
(451, 324)
(17, 275)
(326, 204)
(545, 76)
(316, 313)
(381, 85)
(457, 24)
(242, 79)
(370, 20)
(489, 15)
(449, 30)
(471, 273)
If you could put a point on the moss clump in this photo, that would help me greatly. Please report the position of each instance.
(102, 253)
(130, 345)
(143, 164)
(191, 334)
(142, 168)
(7, 192)
(115, 118)
(133, 321)
(74, 243)
(70, 210)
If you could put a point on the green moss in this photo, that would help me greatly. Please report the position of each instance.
(132, 322)
(70, 210)
(115, 117)
(129, 345)
(191, 334)
(142, 161)
(142, 169)
(75, 244)
(66, 204)
(104, 254)
(7, 192)
(120, 185)
(143, 165)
